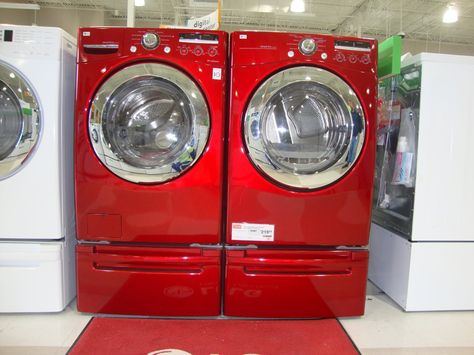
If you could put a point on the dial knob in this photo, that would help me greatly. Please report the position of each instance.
(198, 51)
(150, 40)
(212, 52)
(365, 59)
(340, 57)
(307, 46)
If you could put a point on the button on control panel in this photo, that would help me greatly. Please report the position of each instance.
(353, 51)
(365, 59)
(352, 58)
(340, 57)
(212, 51)
(198, 51)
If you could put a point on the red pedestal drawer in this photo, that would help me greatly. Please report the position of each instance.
(148, 281)
(295, 284)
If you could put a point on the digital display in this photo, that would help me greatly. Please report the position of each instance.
(356, 45)
(8, 36)
(198, 38)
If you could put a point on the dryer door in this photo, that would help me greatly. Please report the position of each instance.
(149, 123)
(20, 121)
(304, 128)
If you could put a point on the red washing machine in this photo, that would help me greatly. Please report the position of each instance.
(149, 170)
(301, 165)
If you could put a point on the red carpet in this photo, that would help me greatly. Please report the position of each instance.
(212, 337)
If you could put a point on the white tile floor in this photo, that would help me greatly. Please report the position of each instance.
(385, 329)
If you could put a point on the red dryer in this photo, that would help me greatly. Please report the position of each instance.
(300, 173)
(149, 137)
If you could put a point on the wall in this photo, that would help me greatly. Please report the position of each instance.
(415, 47)
(17, 17)
(68, 19)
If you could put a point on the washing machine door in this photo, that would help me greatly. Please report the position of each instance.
(149, 123)
(304, 128)
(20, 121)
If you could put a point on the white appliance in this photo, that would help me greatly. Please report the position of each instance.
(422, 236)
(37, 228)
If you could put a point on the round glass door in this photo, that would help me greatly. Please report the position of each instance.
(19, 121)
(304, 127)
(149, 123)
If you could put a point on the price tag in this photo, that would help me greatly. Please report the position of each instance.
(253, 232)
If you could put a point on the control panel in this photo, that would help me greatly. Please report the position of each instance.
(253, 48)
(204, 46)
(36, 42)
(357, 50)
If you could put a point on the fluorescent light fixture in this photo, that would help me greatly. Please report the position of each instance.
(451, 14)
(262, 8)
(18, 6)
(139, 2)
(297, 6)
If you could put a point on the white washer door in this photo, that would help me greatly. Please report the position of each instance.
(20, 121)
(304, 128)
(149, 123)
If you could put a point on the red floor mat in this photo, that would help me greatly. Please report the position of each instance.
(212, 337)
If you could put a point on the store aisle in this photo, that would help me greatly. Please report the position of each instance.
(385, 329)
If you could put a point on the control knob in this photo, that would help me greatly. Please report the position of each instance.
(307, 46)
(150, 40)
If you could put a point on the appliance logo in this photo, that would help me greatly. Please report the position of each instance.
(180, 352)
(178, 292)
(169, 352)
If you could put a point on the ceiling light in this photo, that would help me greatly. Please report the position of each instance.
(451, 14)
(297, 6)
(139, 2)
(11, 5)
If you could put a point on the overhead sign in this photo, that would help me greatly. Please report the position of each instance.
(207, 22)
(389, 60)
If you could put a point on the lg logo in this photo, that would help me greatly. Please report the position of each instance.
(169, 352)
(178, 352)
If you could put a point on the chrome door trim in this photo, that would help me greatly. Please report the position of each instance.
(255, 119)
(18, 88)
(150, 174)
